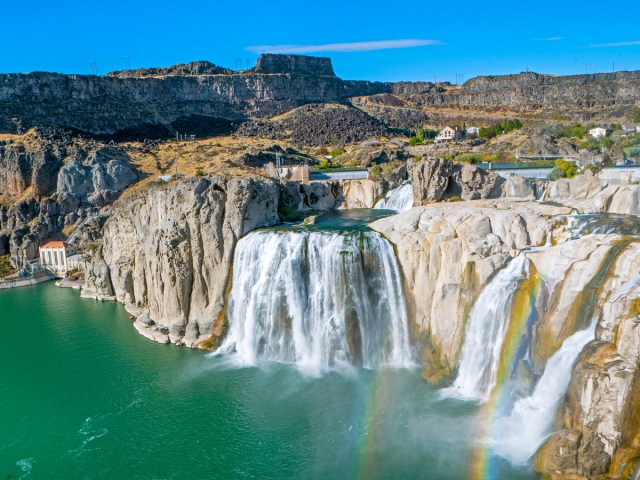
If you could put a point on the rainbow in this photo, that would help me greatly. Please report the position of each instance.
(523, 313)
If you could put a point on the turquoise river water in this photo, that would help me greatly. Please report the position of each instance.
(82, 395)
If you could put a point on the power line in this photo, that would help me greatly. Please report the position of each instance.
(152, 109)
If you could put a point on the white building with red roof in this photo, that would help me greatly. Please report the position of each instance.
(54, 256)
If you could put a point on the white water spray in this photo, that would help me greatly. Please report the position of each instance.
(399, 199)
(322, 300)
(485, 333)
(518, 436)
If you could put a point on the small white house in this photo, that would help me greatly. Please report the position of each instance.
(473, 130)
(631, 128)
(54, 256)
(598, 132)
(447, 134)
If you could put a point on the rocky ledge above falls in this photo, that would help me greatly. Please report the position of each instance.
(167, 255)
(609, 191)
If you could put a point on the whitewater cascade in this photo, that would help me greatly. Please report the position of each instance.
(518, 435)
(485, 333)
(320, 299)
(399, 199)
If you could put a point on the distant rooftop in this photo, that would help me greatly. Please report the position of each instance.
(54, 244)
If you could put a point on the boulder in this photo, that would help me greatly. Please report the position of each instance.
(430, 179)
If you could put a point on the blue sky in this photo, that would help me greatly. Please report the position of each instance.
(469, 39)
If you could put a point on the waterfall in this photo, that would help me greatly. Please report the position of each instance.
(399, 199)
(319, 299)
(542, 193)
(485, 333)
(518, 435)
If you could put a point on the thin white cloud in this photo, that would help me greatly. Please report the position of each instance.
(344, 47)
(619, 44)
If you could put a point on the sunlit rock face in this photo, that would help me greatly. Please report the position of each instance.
(449, 251)
(610, 192)
(168, 254)
(603, 406)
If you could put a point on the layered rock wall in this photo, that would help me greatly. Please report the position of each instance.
(167, 255)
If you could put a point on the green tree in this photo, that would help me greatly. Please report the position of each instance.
(636, 119)
(579, 131)
(569, 168)
(556, 173)
(606, 142)
(591, 144)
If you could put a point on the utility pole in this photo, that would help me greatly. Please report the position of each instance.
(127, 62)
(94, 68)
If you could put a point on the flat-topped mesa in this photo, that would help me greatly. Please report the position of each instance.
(294, 64)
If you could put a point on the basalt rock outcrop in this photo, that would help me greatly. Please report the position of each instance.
(201, 67)
(167, 255)
(436, 180)
(201, 94)
(319, 124)
(575, 94)
(130, 105)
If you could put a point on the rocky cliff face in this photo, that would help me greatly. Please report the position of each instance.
(532, 91)
(294, 64)
(167, 255)
(202, 98)
(481, 236)
(599, 428)
(116, 103)
(436, 180)
(52, 186)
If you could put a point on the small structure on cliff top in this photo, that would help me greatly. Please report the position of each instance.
(448, 133)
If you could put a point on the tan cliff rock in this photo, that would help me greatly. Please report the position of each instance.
(611, 192)
(167, 255)
(448, 252)
(600, 420)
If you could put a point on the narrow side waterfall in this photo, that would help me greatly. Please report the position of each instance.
(485, 333)
(518, 435)
(320, 299)
(399, 199)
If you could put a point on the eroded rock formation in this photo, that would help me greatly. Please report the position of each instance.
(435, 180)
(167, 255)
